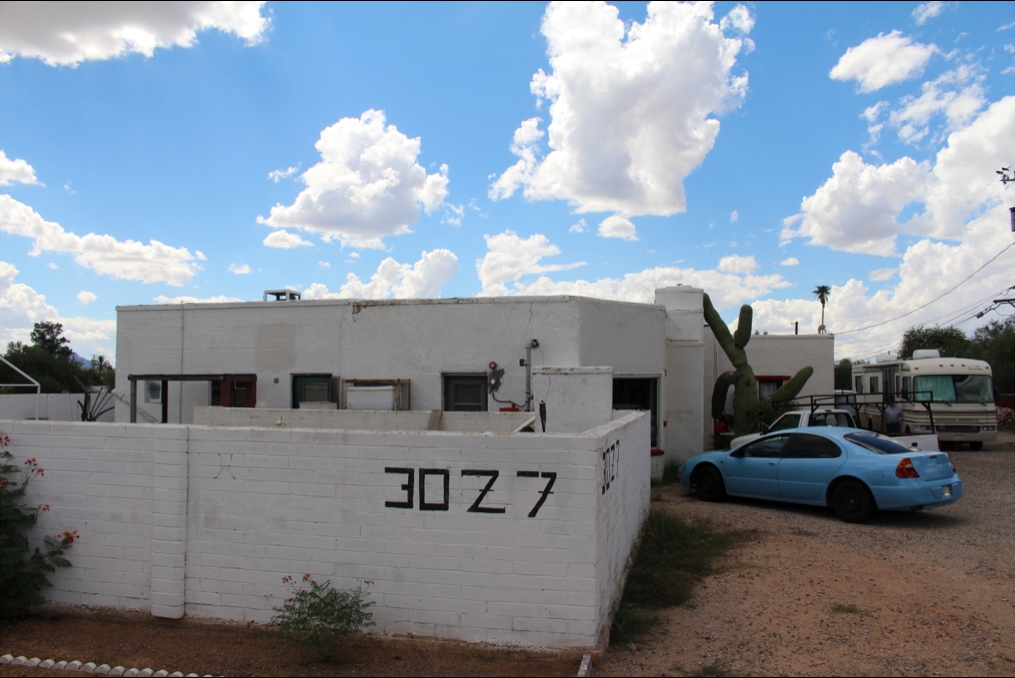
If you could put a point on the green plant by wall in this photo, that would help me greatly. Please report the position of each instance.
(316, 618)
(22, 570)
(749, 413)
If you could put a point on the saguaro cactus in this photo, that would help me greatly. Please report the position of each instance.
(746, 406)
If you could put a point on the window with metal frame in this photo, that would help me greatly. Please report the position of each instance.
(465, 393)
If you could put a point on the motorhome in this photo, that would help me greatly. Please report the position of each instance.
(953, 397)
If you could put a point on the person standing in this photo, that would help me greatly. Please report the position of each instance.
(892, 414)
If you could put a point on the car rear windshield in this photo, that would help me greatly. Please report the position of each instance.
(876, 443)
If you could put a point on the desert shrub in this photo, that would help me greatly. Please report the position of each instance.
(23, 570)
(316, 618)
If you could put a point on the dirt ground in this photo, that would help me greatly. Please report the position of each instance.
(911, 593)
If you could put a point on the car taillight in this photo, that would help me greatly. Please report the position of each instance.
(905, 469)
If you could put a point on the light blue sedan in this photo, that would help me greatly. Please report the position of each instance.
(855, 472)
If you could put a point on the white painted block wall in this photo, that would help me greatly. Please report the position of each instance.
(206, 521)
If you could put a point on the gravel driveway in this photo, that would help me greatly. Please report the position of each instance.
(910, 593)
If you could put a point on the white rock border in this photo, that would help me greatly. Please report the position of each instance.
(90, 667)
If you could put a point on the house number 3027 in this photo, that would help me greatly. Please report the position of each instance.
(440, 499)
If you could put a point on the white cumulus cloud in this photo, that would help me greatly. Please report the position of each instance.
(67, 33)
(632, 109)
(422, 280)
(617, 227)
(737, 264)
(856, 210)
(882, 61)
(734, 216)
(368, 185)
(86, 297)
(509, 257)
(284, 240)
(792, 261)
(104, 254)
(15, 170)
(239, 269)
(957, 95)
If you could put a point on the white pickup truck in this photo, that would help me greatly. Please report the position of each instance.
(828, 416)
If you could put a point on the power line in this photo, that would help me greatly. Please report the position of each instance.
(861, 329)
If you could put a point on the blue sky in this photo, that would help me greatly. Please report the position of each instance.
(201, 151)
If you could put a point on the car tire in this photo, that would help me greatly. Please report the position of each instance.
(708, 480)
(976, 445)
(852, 501)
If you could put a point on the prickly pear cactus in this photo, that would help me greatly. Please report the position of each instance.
(748, 412)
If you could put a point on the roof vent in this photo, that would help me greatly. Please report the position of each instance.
(923, 353)
(281, 295)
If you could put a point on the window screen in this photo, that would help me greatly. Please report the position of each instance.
(153, 392)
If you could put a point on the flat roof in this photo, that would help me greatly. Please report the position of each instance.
(364, 303)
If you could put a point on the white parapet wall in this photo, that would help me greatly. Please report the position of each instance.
(498, 537)
(370, 420)
(52, 406)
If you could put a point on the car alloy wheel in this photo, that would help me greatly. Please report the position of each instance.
(709, 483)
(852, 501)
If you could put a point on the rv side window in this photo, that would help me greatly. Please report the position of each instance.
(858, 384)
(874, 385)
(905, 388)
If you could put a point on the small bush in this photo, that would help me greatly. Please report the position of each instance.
(839, 608)
(318, 617)
(22, 570)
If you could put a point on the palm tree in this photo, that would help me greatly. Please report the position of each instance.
(822, 292)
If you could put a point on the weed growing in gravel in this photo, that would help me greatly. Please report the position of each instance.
(716, 668)
(670, 475)
(318, 617)
(674, 554)
(838, 608)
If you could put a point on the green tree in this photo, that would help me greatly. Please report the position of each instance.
(844, 374)
(48, 337)
(995, 343)
(950, 341)
(51, 361)
(822, 292)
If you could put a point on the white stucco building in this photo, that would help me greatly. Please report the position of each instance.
(440, 353)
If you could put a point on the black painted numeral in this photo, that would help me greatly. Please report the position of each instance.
(552, 476)
(408, 487)
(492, 475)
(424, 505)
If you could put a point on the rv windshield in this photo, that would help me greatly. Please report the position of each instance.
(954, 388)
